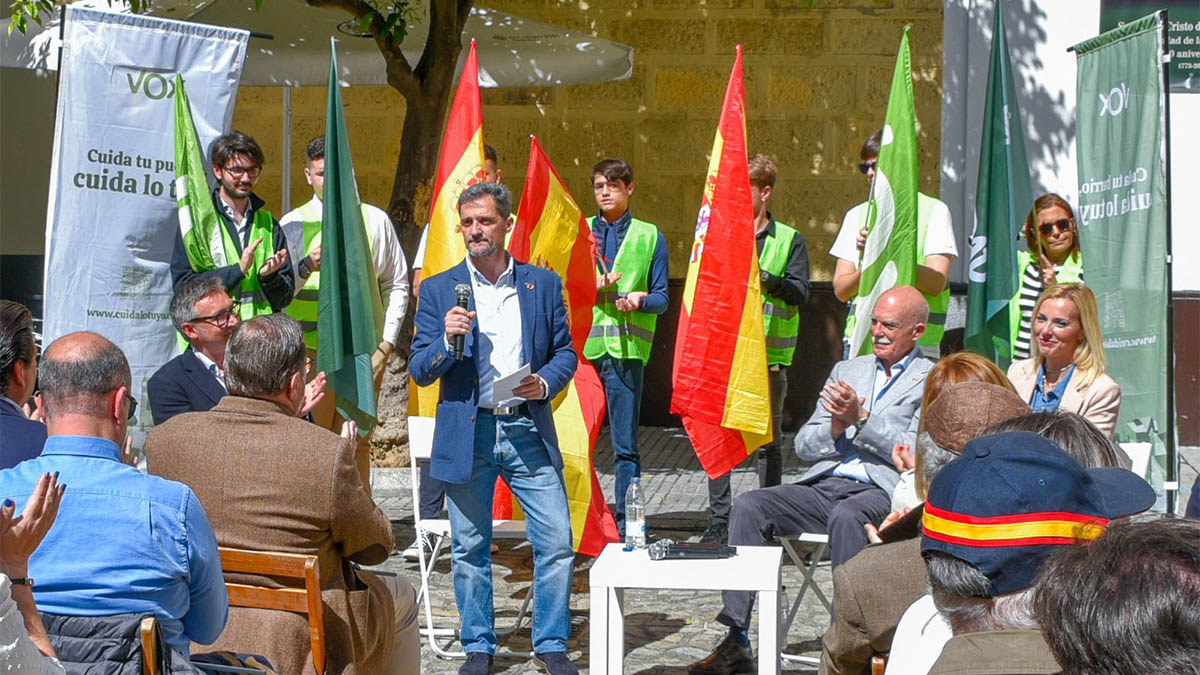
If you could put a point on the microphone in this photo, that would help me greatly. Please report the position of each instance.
(463, 293)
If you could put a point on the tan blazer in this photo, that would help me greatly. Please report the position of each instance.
(1000, 652)
(272, 482)
(1098, 402)
(872, 590)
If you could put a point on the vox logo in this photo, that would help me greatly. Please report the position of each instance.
(154, 86)
(1115, 102)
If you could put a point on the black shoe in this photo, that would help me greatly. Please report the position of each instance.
(477, 663)
(555, 663)
(728, 657)
(717, 533)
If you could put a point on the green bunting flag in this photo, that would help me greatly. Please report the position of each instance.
(198, 220)
(890, 255)
(1002, 200)
(346, 329)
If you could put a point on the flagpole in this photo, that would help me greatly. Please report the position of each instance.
(1171, 482)
(867, 213)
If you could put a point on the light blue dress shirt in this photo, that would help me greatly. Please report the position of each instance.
(1048, 401)
(123, 542)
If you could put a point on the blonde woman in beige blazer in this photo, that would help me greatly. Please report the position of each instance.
(1066, 372)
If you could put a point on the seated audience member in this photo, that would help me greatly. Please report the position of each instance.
(24, 645)
(1126, 604)
(1066, 371)
(124, 542)
(875, 587)
(315, 503)
(20, 437)
(868, 405)
(992, 518)
(954, 369)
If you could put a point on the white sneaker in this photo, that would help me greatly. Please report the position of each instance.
(412, 553)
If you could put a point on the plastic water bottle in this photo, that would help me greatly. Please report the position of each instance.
(635, 516)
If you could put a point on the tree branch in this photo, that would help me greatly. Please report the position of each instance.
(399, 74)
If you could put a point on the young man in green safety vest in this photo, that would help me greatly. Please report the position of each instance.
(935, 241)
(260, 281)
(631, 291)
(302, 226)
(783, 266)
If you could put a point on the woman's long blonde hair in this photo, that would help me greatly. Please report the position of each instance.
(1089, 357)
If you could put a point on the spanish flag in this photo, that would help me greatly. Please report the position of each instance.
(551, 232)
(720, 379)
(460, 166)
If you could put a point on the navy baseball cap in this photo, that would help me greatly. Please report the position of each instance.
(1012, 499)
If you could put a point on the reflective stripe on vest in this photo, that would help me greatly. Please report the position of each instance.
(939, 304)
(625, 335)
(781, 321)
(303, 307)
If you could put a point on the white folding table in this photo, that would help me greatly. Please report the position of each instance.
(755, 569)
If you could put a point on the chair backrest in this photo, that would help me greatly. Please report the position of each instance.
(286, 566)
(420, 437)
(148, 629)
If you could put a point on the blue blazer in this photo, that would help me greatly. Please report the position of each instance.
(20, 437)
(545, 346)
(182, 385)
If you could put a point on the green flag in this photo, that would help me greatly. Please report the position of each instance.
(198, 221)
(1002, 199)
(890, 256)
(348, 294)
(1123, 217)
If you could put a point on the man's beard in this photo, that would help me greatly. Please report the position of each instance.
(484, 253)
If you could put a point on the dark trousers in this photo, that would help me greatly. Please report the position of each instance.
(622, 380)
(837, 506)
(770, 457)
(433, 494)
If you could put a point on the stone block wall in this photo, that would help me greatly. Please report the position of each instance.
(817, 83)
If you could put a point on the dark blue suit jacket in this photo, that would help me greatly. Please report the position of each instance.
(182, 385)
(545, 346)
(20, 437)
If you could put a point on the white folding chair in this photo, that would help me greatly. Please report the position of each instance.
(789, 544)
(437, 533)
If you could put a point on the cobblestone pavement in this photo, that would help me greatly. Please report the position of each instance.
(666, 630)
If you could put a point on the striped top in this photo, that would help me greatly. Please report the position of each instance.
(1031, 288)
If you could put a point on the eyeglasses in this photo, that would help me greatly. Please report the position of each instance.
(864, 167)
(1062, 225)
(221, 319)
(132, 407)
(239, 171)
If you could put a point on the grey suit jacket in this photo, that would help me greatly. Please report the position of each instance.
(893, 420)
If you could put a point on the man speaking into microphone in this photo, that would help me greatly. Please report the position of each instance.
(487, 425)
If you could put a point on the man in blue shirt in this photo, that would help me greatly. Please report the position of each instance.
(124, 541)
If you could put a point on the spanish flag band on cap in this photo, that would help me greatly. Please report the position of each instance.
(1053, 528)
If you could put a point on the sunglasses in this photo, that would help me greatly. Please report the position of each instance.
(1062, 225)
(864, 167)
(132, 407)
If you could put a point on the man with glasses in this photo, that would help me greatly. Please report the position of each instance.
(260, 274)
(124, 542)
(935, 241)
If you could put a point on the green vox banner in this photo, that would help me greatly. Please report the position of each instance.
(1123, 212)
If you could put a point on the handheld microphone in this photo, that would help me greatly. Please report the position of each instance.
(463, 293)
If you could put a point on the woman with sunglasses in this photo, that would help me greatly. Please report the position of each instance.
(1066, 371)
(1053, 257)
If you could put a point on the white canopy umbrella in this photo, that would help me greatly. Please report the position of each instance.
(513, 51)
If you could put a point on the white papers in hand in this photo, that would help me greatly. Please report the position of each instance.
(502, 387)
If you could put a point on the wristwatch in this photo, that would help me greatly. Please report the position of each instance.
(22, 581)
(303, 269)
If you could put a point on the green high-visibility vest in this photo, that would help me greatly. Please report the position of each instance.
(625, 335)
(939, 304)
(1070, 272)
(248, 293)
(781, 321)
(303, 307)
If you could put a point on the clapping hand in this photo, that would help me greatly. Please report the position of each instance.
(873, 532)
(274, 263)
(314, 391)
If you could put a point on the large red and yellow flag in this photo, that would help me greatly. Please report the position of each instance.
(460, 166)
(552, 232)
(720, 378)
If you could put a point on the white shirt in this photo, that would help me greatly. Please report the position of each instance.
(419, 258)
(391, 269)
(920, 637)
(498, 314)
(939, 237)
(18, 653)
(212, 366)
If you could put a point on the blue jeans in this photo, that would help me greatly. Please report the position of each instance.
(622, 380)
(511, 446)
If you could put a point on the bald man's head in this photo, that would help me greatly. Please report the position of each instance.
(78, 370)
(897, 322)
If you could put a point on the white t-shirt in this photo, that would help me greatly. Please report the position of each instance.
(419, 258)
(391, 269)
(939, 238)
(920, 637)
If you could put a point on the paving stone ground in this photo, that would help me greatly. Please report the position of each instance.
(666, 630)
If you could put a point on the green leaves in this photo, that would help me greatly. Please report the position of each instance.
(23, 10)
